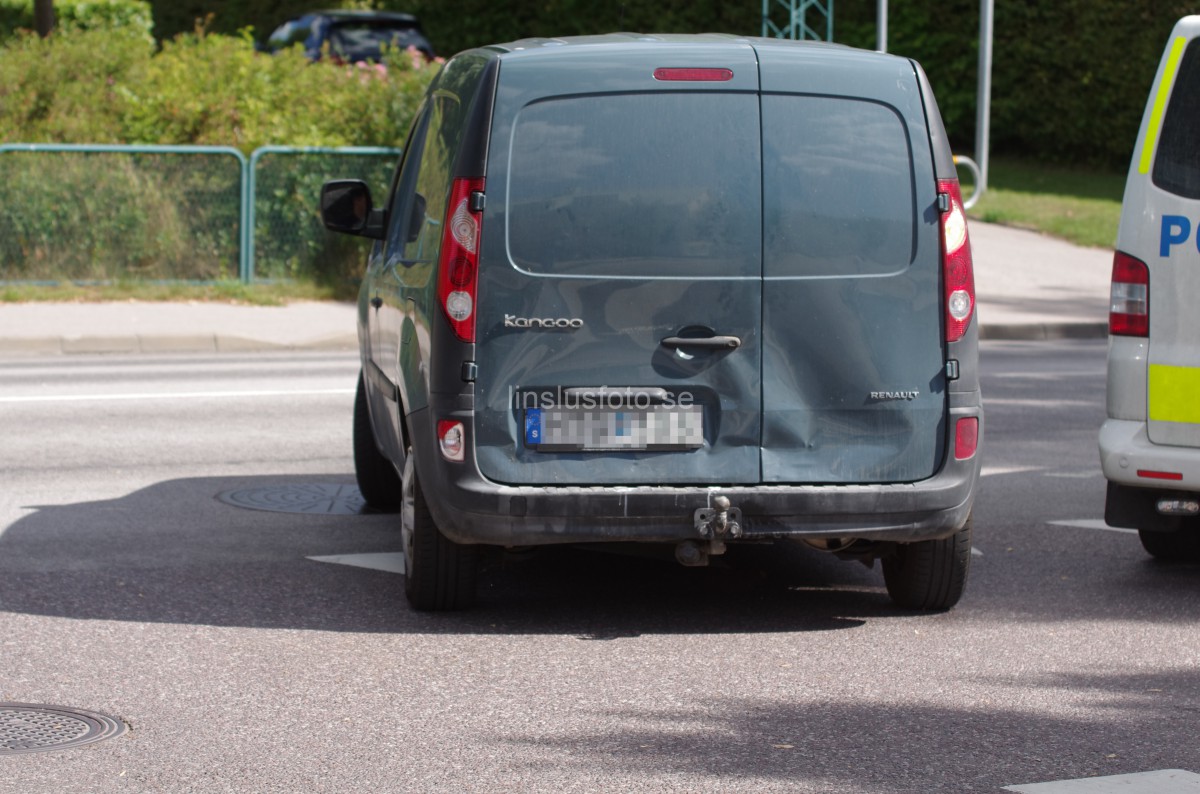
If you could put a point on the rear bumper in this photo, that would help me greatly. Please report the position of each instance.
(1126, 449)
(469, 508)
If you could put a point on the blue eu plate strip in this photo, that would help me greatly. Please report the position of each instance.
(533, 427)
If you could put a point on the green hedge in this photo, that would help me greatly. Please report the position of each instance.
(82, 217)
(1069, 79)
(132, 15)
(109, 86)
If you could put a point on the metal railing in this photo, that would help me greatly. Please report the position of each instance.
(976, 178)
(89, 213)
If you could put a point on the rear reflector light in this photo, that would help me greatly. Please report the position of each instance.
(1129, 308)
(966, 437)
(451, 440)
(1159, 475)
(458, 263)
(958, 272)
(695, 75)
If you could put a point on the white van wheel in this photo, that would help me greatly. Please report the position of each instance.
(929, 574)
(439, 574)
(1182, 545)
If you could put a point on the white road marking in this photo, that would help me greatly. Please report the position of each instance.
(1091, 523)
(1162, 781)
(392, 562)
(976, 552)
(179, 395)
(988, 471)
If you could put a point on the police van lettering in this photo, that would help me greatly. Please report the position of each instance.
(1176, 229)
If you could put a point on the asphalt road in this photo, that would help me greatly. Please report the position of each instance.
(129, 587)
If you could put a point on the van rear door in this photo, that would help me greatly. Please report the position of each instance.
(620, 281)
(1160, 224)
(854, 384)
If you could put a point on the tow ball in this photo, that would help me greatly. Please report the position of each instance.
(715, 524)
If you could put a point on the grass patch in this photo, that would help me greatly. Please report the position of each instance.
(235, 292)
(1080, 206)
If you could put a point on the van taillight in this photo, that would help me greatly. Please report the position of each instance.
(458, 265)
(958, 273)
(1129, 307)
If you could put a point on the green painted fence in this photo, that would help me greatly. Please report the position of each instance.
(104, 213)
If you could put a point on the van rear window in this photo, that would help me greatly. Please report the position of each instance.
(1177, 163)
(839, 190)
(657, 184)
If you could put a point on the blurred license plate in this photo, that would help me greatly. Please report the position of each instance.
(613, 430)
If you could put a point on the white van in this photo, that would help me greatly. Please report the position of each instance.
(1150, 444)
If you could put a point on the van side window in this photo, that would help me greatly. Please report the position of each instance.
(1177, 163)
(433, 180)
(400, 202)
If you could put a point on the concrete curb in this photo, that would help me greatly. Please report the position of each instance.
(196, 343)
(1027, 332)
(219, 343)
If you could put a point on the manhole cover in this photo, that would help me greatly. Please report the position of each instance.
(26, 728)
(338, 500)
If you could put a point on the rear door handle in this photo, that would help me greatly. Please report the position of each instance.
(707, 342)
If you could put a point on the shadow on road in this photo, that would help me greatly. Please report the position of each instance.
(174, 553)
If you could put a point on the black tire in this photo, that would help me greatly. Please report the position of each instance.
(439, 574)
(929, 574)
(377, 478)
(1182, 545)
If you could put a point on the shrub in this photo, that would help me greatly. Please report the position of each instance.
(70, 15)
(216, 89)
(67, 88)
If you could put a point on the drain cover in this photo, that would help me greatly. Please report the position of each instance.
(26, 728)
(338, 500)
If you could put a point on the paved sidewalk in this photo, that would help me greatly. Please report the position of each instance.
(1028, 286)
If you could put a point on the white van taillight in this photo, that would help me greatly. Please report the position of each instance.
(458, 265)
(1129, 308)
(957, 270)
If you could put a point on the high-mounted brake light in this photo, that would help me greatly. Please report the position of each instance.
(695, 75)
(458, 264)
(958, 273)
(1129, 307)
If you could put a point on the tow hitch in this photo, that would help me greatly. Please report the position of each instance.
(715, 524)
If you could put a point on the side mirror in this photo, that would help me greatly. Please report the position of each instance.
(346, 207)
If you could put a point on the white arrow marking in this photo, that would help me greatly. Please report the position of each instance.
(1091, 523)
(392, 561)
(1163, 781)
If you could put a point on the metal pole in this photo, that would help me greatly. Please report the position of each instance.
(881, 25)
(983, 111)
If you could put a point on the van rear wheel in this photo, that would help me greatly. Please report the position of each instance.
(929, 574)
(377, 479)
(439, 574)
(1182, 545)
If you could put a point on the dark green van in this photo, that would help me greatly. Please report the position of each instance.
(686, 290)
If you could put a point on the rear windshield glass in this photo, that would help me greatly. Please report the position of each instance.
(838, 187)
(1177, 164)
(662, 184)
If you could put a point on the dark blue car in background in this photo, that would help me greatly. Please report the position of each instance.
(351, 36)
